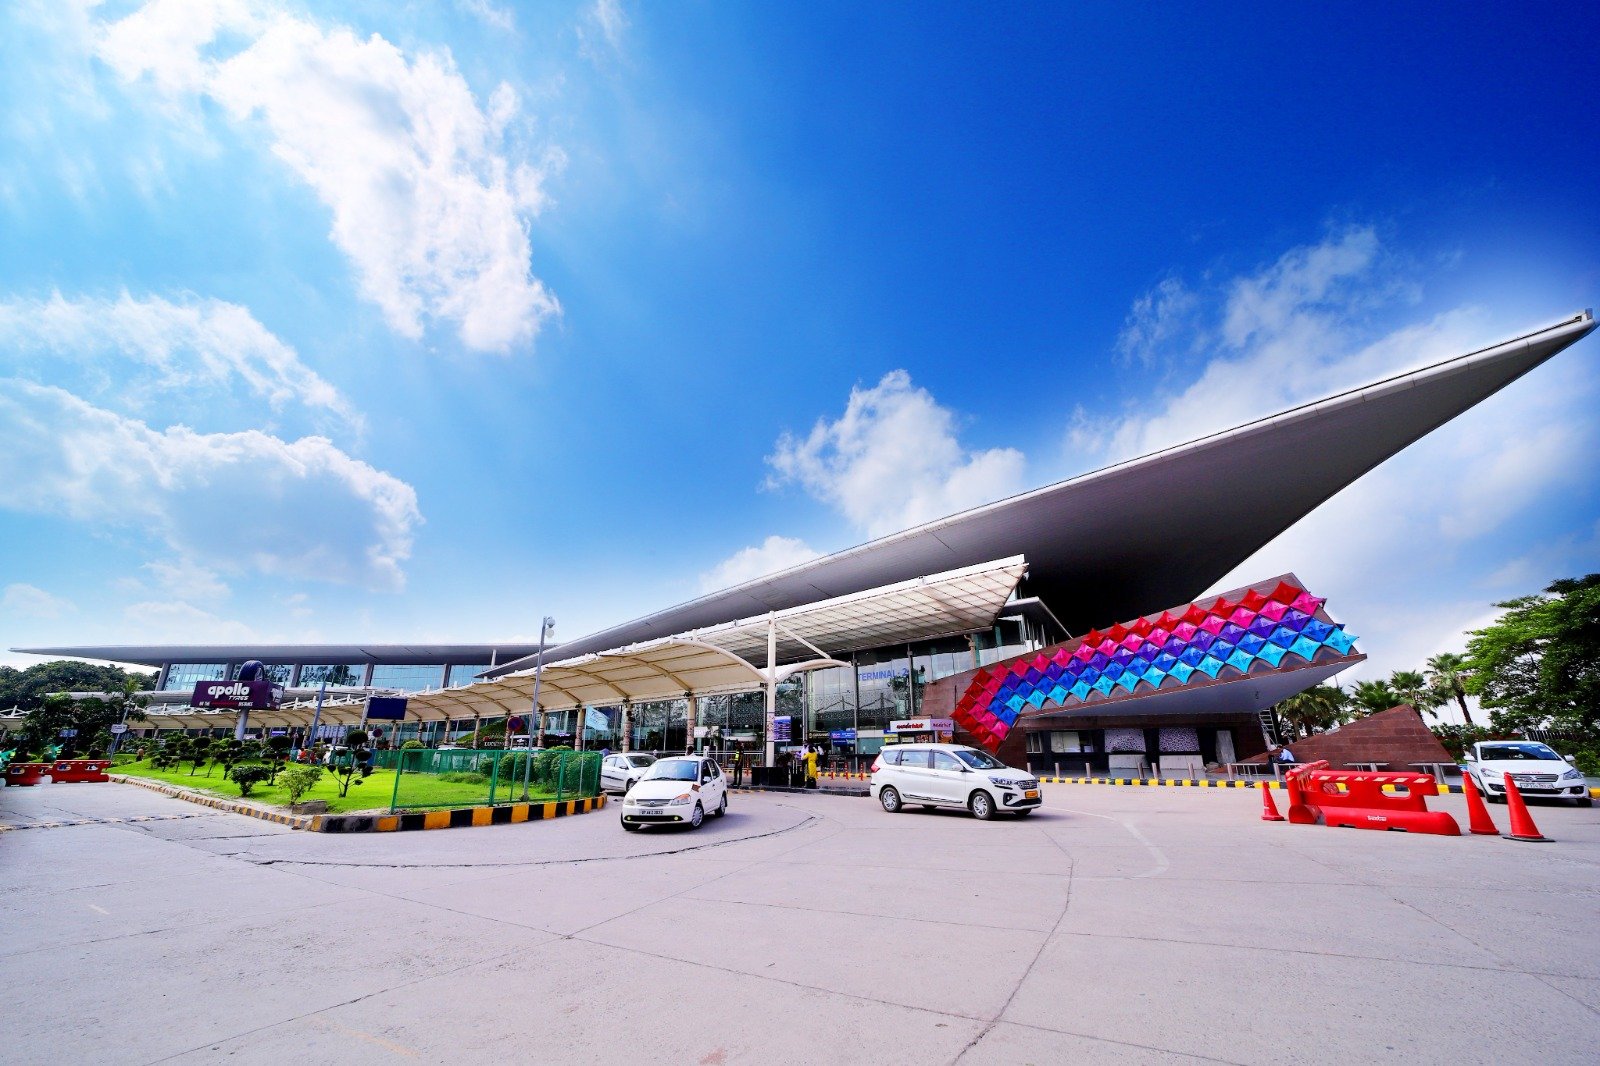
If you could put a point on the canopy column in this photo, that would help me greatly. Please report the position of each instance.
(771, 685)
(688, 722)
(627, 726)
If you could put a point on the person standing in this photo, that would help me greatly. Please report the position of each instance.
(811, 766)
(738, 766)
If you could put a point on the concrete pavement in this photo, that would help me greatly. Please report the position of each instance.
(1115, 925)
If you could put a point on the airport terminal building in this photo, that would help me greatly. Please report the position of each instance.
(1064, 628)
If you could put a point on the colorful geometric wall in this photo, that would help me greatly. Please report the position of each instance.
(1260, 630)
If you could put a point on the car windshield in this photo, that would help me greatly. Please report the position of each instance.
(979, 760)
(641, 760)
(673, 770)
(1516, 752)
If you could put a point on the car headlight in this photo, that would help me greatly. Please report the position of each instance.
(681, 801)
(1001, 783)
(1572, 775)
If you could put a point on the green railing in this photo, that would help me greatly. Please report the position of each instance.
(426, 778)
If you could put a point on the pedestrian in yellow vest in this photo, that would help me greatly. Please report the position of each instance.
(811, 766)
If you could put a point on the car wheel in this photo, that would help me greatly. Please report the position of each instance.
(890, 799)
(981, 806)
(722, 808)
(629, 826)
(698, 816)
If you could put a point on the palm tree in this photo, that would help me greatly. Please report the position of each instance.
(1447, 672)
(1370, 697)
(1315, 710)
(1410, 687)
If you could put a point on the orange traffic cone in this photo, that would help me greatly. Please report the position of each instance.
(1477, 810)
(1522, 827)
(1269, 810)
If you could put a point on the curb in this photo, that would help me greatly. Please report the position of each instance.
(455, 818)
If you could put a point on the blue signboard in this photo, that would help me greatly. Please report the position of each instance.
(780, 729)
(843, 736)
(386, 708)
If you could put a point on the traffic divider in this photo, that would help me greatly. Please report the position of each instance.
(1361, 799)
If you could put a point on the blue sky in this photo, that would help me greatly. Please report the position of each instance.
(418, 321)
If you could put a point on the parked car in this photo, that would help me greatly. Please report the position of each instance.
(951, 775)
(619, 773)
(683, 790)
(1535, 767)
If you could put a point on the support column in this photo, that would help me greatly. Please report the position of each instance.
(239, 726)
(772, 687)
(627, 726)
(688, 723)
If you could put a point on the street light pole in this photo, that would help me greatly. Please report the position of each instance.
(538, 671)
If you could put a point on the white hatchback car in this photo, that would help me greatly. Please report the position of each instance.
(619, 772)
(1535, 767)
(951, 775)
(681, 790)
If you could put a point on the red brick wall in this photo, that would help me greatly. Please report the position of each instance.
(1397, 736)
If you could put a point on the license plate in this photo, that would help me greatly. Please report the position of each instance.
(1032, 794)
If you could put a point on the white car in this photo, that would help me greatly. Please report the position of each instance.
(951, 775)
(1535, 767)
(681, 790)
(619, 772)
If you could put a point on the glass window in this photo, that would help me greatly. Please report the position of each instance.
(916, 757)
(979, 760)
(466, 675)
(1064, 741)
(182, 677)
(1035, 743)
(311, 676)
(278, 673)
(943, 760)
(883, 684)
(407, 678)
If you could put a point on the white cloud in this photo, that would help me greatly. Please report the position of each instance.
(184, 579)
(29, 601)
(772, 555)
(892, 460)
(1408, 553)
(176, 622)
(603, 22)
(191, 344)
(1154, 320)
(234, 501)
(492, 15)
(424, 200)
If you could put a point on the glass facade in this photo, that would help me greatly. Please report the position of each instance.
(334, 675)
(466, 675)
(408, 678)
(181, 677)
(277, 673)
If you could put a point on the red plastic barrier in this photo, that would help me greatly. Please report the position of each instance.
(80, 770)
(27, 773)
(1355, 799)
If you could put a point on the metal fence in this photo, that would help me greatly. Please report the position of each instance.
(427, 778)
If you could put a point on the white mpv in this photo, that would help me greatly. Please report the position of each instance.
(951, 775)
(681, 790)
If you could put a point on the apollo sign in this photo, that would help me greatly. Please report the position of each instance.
(236, 695)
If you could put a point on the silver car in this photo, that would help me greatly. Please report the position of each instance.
(618, 773)
(951, 775)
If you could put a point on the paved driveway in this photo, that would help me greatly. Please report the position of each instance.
(1117, 924)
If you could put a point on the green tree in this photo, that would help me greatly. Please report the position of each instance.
(298, 780)
(1370, 697)
(1411, 688)
(1447, 673)
(1538, 665)
(350, 765)
(248, 777)
(90, 716)
(1315, 710)
(27, 689)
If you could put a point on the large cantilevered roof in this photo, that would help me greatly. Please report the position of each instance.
(733, 657)
(305, 654)
(1127, 539)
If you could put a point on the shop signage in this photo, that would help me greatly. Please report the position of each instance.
(119, 728)
(923, 725)
(236, 695)
(843, 736)
(885, 674)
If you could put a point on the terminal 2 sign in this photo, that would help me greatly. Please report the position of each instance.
(236, 695)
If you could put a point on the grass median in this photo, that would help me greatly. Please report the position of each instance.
(417, 791)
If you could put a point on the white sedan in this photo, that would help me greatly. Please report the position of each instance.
(1535, 767)
(681, 790)
(619, 772)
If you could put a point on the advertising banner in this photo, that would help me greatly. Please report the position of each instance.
(386, 708)
(780, 729)
(236, 695)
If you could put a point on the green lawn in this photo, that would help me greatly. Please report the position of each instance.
(416, 790)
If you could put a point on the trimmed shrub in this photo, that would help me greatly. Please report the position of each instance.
(412, 745)
(248, 777)
(462, 777)
(299, 779)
